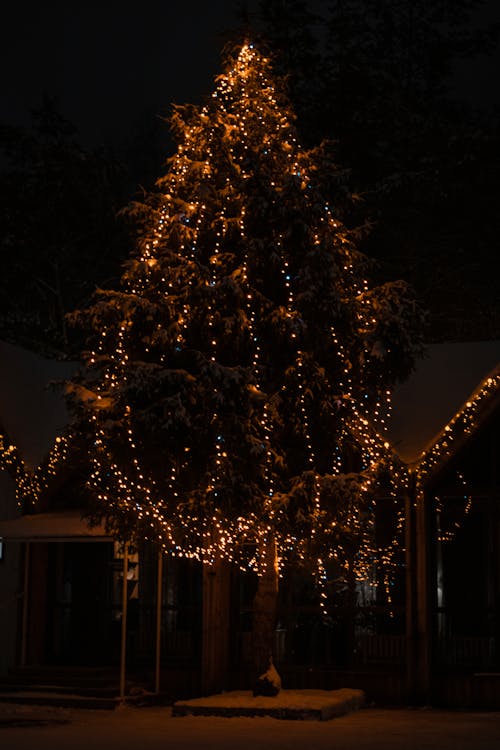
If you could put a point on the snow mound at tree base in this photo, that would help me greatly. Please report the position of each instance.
(319, 705)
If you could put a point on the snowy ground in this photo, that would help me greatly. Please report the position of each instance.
(155, 729)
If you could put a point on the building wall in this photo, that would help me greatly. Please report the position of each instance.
(465, 583)
(10, 580)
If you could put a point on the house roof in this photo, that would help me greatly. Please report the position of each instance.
(440, 385)
(32, 412)
(65, 526)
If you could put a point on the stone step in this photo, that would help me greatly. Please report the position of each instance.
(62, 700)
(40, 697)
(13, 686)
(319, 705)
(84, 687)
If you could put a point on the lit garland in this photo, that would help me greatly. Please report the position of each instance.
(30, 484)
(462, 424)
(447, 535)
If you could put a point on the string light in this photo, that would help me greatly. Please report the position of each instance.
(209, 302)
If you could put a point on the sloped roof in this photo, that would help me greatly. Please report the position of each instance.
(440, 385)
(65, 526)
(32, 412)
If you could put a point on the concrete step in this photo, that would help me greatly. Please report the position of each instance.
(10, 686)
(40, 697)
(84, 687)
(62, 700)
(319, 705)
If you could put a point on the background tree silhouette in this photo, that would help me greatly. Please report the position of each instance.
(61, 236)
(382, 81)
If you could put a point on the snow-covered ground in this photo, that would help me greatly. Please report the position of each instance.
(155, 729)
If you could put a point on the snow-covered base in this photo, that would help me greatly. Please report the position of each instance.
(288, 704)
(268, 683)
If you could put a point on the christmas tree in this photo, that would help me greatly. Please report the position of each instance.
(235, 395)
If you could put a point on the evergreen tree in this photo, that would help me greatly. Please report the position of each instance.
(235, 394)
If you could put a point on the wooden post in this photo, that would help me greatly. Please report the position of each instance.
(159, 586)
(123, 653)
(411, 588)
(423, 598)
(215, 626)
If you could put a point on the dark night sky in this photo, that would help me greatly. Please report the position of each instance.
(111, 64)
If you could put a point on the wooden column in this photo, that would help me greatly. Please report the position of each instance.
(26, 593)
(423, 600)
(411, 596)
(123, 649)
(215, 626)
(159, 603)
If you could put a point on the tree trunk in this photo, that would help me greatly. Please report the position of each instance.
(265, 604)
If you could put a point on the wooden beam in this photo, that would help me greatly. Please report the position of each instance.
(159, 588)
(423, 600)
(123, 651)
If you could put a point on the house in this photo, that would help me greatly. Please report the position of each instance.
(186, 630)
(446, 426)
(62, 601)
(32, 418)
